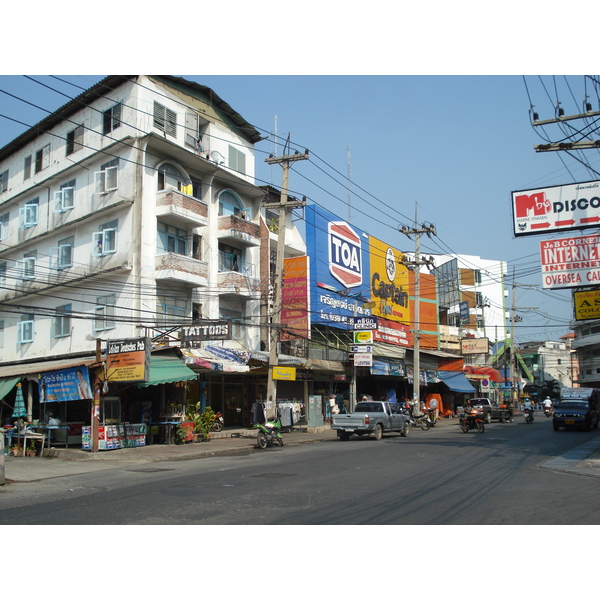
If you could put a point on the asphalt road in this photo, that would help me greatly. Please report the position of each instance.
(438, 477)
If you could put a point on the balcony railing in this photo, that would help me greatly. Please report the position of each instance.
(238, 229)
(181, 268)
(180, 209)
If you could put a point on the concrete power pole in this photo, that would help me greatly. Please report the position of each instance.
(415, 265)
(283, 205)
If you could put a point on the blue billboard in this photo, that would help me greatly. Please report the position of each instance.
(339, 268)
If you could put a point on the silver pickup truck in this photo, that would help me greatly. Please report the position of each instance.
(371, 417)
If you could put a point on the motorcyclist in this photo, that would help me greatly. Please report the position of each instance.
(528, 406)
(547, 403)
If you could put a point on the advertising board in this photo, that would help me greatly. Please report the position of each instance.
(562, 207)
(570, 262)
(587, 305)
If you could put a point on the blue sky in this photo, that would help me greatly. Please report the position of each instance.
(451, 148)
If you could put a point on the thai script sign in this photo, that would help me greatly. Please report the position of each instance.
(65, 385)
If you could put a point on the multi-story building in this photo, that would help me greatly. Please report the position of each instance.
(127, 213)
(548, 362)
(472, 296)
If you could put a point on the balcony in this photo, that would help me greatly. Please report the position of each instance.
(181, 269)
(181, 210)
(238, 231)
(236, 280)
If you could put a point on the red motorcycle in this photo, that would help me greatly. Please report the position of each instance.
(218, 422)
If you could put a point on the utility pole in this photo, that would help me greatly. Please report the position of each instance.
(514, 319)
(283, 205)
(415, 266)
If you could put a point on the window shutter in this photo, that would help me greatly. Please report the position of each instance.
(191, 130)
(171, 124)
(159, 116)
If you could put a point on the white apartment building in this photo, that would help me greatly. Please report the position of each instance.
(129, 209)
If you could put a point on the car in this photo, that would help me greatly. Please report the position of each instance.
(491, 410)
(575, 413)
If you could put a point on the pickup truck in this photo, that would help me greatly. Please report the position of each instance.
(491, 410)
(369, 418)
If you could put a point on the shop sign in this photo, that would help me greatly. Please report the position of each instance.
(363, 359)
(587, 305)
(543, 210)
(128, 360)
(570, 262)
(474, 346)
(215, 330)
(65, 385)
(284, 373)
(363, 337)
(392, 332)
(363, 322)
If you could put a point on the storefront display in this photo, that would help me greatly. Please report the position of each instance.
(115, 437)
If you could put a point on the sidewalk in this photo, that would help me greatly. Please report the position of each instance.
(58, 462)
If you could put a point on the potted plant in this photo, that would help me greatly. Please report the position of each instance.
(206, 420)
(30, 450)
(16, 450)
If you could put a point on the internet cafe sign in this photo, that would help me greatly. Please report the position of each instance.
(205, 332)
(128, 360)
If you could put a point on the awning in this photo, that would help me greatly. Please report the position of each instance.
(43, 366)
(282, 359)
(319, 364)
(456, 381)
(204, 359)
(167, 369)
(484, 371)
(7, 384)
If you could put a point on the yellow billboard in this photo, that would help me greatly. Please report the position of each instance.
(587, 305)
(389, 282)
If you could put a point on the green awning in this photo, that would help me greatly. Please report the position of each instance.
(167, 369)
(7, 384)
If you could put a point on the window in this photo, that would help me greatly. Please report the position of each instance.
(105, 313)
(4, 181)
(25, 329)
(27, 168)
(171, 239)
(230, 258)
(75, 140)
(170, 310)
(229, 203)
(29, 213)
(64, 198)
(235, 317)
(107, 177)
(4, 226)
(61, 326)
(111, 119)
(62, 255)
(237, 160)
(42, 158)
(170, 177)
(3, 269)
(165, 119)
(105, 241)
(28, 266)
(1, 334)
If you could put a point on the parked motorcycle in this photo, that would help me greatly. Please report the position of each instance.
(269, 433)
(421, 421)
(528, 415)
(471, 419)
(429, 414)
(218, 423)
